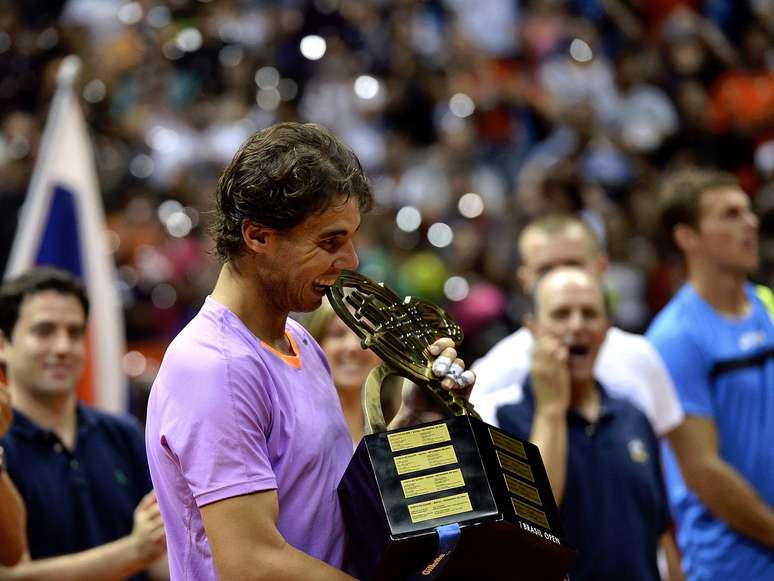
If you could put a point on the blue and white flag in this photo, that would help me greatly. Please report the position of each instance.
(62, 224)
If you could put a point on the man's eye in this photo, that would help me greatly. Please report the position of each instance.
(330, 244)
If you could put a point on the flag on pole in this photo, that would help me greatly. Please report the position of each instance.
(62, 224)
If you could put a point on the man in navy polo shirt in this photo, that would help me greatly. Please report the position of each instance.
(82, 473)
(600, 452)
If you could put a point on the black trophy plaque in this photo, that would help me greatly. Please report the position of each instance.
(402, 484)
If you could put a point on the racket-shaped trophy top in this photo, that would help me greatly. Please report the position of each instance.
(399, 330)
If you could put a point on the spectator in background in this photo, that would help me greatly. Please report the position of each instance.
(627, 365)
(12, 514)
(349, 363)
(716, 338)
(600, 452)
(80, 472)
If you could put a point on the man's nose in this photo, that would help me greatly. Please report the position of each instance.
(348, 257)
(575, 322)
(753, 220)
(63, 343)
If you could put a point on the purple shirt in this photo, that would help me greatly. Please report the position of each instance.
(228, 415)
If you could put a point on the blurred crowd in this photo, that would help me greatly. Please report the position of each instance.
(470, 118)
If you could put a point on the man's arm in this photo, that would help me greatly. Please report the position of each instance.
(717, 484)
(672, 556)
(551, 386)
(12, 512)
(12, 522)
(247, 546)
(110, 562)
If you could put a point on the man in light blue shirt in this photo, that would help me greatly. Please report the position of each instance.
(717, 341)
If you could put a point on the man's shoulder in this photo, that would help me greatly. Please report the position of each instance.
(621, 344)
(121, 423)
(629, 414)
(674, 320)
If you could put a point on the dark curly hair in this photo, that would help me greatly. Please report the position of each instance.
(281, 176)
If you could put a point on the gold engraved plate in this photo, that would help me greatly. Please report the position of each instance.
(419, 437)
(530, 513)
(432, 483)
(423, 460)
(507, 443)
(522, 489)
(440, 507)
(514, 466)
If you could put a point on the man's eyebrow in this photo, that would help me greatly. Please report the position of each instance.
(338, 232)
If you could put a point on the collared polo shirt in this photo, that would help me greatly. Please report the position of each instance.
(614, 507)
(82, 498)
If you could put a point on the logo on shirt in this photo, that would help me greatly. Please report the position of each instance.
(637, 451)
(120, 476)
(751, 339)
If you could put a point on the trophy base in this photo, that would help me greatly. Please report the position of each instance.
(401, 485)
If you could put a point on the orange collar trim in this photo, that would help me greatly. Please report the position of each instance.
(292, 360)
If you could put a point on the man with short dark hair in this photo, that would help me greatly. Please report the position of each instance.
(81, 473)
(717, 340)
(246, 438)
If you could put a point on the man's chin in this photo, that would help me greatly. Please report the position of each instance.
(56, 389)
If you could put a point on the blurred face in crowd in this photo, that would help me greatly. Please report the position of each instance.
(727, 235)
(306, 259)
(542, 252)
(349, 362)
(570, 305)
(45, 354)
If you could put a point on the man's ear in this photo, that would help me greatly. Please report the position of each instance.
(523, 278)
(255, 236)
(685, 238)
(529, 321)
(602, 263)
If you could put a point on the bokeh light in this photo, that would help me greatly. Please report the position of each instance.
(313, 47)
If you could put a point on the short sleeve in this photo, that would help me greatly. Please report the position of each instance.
(668, 413)
(687, 366)
(215, 425)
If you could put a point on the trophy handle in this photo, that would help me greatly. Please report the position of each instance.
(371, 398)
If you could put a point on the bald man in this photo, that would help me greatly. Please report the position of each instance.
(600, 451)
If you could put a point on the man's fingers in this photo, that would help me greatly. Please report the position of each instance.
(147, 500)
(152, 511)
(444, 361)
(438, 346)
(441, 366)
(458, 378)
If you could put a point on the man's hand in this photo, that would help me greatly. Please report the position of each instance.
(551, 387)
(6, 415)
(417, 406)
(148, 531)
(550, 376)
